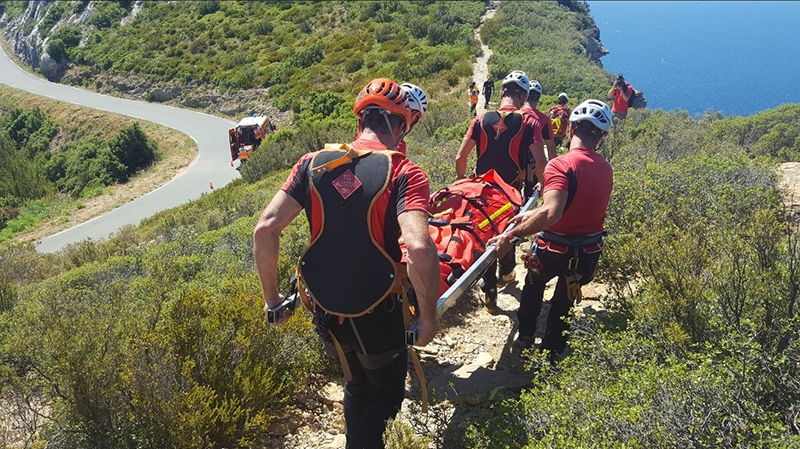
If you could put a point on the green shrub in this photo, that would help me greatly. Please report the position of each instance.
(133, 149)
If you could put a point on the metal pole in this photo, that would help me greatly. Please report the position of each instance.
(468, 279)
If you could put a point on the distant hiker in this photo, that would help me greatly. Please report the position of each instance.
(488, 89)
(418, 103)
(473, 97)
(559, 117)
(358, 200)
(545, 127)
(505, 141)
(621, 92)
(568, 227)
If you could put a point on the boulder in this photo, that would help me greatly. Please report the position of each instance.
(161, 94)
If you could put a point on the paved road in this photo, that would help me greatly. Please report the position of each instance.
(212, 165)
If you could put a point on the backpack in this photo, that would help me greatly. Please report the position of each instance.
(637, 100)
(464, 216)
(560, 118)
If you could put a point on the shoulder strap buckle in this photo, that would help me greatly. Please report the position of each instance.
(350, 154)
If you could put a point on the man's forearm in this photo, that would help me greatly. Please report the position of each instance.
(266, 248)
(540, 161)
(461, 157)
(551, 150)
(423, 271)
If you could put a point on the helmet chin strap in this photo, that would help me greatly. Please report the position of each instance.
(385, 115)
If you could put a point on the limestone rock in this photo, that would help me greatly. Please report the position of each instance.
(50, 67)
(332, 393)
(161, 94)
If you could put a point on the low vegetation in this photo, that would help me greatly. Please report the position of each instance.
(156, 337)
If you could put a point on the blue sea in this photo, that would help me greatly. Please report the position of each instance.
(734, 57)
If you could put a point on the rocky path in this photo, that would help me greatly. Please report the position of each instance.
(789, 173)
(481, 67)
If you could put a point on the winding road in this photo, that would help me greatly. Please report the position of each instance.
(212, 166)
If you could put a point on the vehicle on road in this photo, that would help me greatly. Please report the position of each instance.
(247, 136)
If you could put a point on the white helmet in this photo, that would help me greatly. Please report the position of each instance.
(594, 111)
(519, 78)
(535, 87)
(563, 95)
(417, 100)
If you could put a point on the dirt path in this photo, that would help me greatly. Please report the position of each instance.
(790, 183)
(481, 67)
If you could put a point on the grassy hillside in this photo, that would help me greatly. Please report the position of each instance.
(156, 337)
(293, 48)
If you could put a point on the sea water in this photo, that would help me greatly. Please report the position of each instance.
(734, 57)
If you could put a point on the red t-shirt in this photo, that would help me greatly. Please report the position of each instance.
(542, 118)
(593, 182)
(408, 190)
(620, 103)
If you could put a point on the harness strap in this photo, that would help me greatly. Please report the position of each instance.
(577, 243)
(348, 376)
(573, 279)
(408, 320)
(572, 241)
(301, 290)
(351, 154)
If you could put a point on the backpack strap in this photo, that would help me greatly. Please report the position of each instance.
(408, 320)
(351, 153)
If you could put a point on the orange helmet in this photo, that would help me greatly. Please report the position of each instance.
(385, 94)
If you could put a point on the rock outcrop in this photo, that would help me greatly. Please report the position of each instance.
(591, 43)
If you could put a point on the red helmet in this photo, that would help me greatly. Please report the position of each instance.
(385, 94)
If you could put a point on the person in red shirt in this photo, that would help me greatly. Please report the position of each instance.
(359, 199)
(505, 140)
(529, 111)
(559, 113)
(568, 227)
(621, 91)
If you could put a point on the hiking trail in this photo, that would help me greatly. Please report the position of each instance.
(789, 183)
(480, 68)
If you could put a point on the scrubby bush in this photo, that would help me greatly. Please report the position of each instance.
(133, 149)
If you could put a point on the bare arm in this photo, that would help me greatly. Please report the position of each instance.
(461, 157)
(266, 242)
(537, 151)
(626, 92)
(551, 149)
(611, 92)
(423, 270)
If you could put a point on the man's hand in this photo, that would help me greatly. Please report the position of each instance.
(501, 242)
(273, 302)
(425, 332)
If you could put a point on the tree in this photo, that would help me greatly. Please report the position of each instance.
(134, 149)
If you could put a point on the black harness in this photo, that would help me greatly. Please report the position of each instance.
(345, 269)
(499, 128)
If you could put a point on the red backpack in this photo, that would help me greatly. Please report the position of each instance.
(559, 115)
(464, 215)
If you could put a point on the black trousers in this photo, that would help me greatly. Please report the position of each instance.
(377, 389)
(530, 305)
